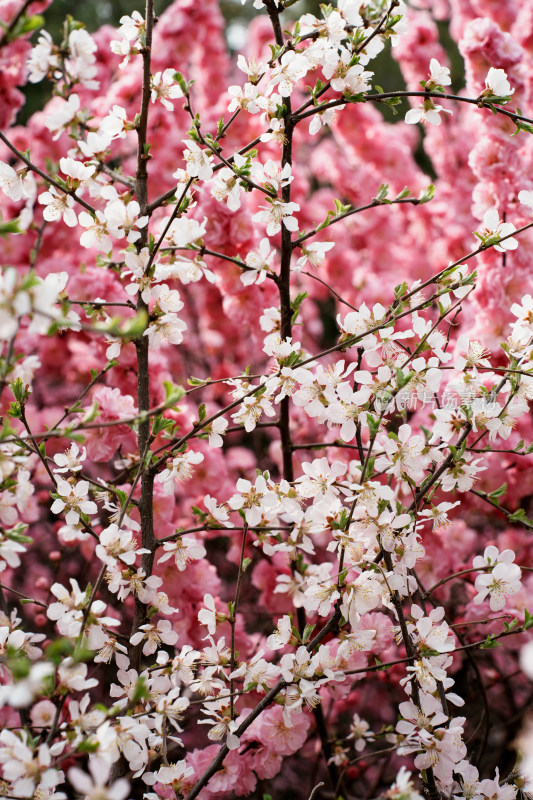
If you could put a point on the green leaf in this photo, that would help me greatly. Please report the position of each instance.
(20, 390)
(161, 423)
(490, 642)
(308, 630)
(498, 493)
(340, 208)
(518, 516)
(9, 227)
(427, 194)
(522, 126)
(19, 666)
(14, 410)
(16, 534)
(296, 303)
(373, 425)
(402, 379)
(88, 746)
(58, 650)
(382, 193)
(400, 290)
(404, 193)
(392, 21)
(30, 24)
(140, 692)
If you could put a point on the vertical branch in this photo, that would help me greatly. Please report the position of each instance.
(284, 281)
(284, 288)
(141, 344)
(430, 786)
(233, 620)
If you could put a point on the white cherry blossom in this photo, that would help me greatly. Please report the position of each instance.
(183, 551)
(438, 75)
(96, 233)
(427, 112)
(12, 182)
(497, 83)
(180, 469)
(71, 460)
(494, 229)
(276, 213)
(165, 88)
(199, 161)
(58, 205)
(42, 60)
(73, 498)
(292, 68)
(63, 112)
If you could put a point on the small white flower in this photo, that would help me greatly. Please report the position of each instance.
(97, 234)
(440, 76)
(74, 499)
(208, 615)
(184, 550)
(313, 254)
(501, 583)
(322, 118)
(428, 112)
(132, 27)
(276, 213)
(165, 88)
(42, 60)
(76, 169)
(494, 229)
(73, 676)
(244, 97)
(122, 219)
(181, 469)
(526, 198)
(216, 430)
(71, 460)
(154, 635)
(58, 206)
(292, 67)
(254, 69)
(217, 513)
(94, 787)
(63, 112)
(95, 144)
(199, 162)
(497, 84)
(115, 124)
(167, 329)
(11, 182)
(259, 263)
(281, 635)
